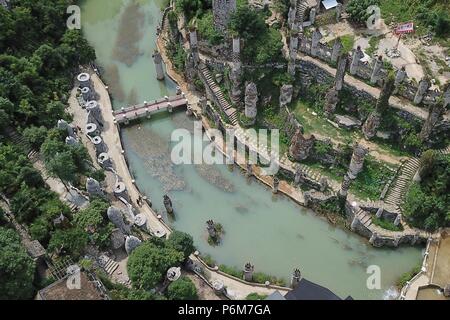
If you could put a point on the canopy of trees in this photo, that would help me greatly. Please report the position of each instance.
(149, 262)
(263, 44)
(182, 289)
(182, 242)
(427, 203)
(357, 9)
(16, 268)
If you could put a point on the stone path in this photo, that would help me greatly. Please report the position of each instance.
(217, 92)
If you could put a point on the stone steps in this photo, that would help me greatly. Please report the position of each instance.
(402, 182)
(108, 264)
(301, 8)
(223, 103)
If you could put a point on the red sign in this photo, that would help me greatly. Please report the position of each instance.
(406, 27)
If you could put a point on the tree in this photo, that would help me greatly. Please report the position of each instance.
(148, 264)
(206, 29)
(181, 241)
(16, 267)
(70, 241)
(62, 167)
(35, 136)
(357, 10)
(182, 289)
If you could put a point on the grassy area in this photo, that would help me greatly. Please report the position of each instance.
(401, 282)
(428, 15)
(348, 41)
(313, 122)
(256, 296)
(388, 225)
(373, 45)
(371, 180)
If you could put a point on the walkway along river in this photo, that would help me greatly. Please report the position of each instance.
(271, 232)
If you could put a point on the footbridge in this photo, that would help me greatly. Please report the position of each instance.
(146, 109)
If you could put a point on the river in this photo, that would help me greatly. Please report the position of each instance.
(271, 232)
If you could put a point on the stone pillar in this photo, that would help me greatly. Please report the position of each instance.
(400, 76)
(236, 49)
(421, 91)
(372, 123)
(447, 97)
(292, 13)
(378, 63)
(340, 72)
(84, 80)
(293, 50)
(248, 272)
(63, 125)
(251, 98)
(299, 176)
(373, 238)
(357, 56)
(415, 239)
(379, 212)
(355, 222)
(235, 79)
(222, 10)
(337, 49)
(323, 184)
(312, 15)
(357, 161)
(157, 59)
(338, 11)
(249, 171)
(93, 187)
(94, 112)
(331, 100)
(316, 36)
(275, 185)
(301, 145)
(203, 104)
(345, 186)
(296, 278)
(286, 93)
(168, 204)
(435, 113)
(211, 228)
(71, 141)
(193, 43)
(398, 220)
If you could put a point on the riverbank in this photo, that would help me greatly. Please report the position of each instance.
(236, 288)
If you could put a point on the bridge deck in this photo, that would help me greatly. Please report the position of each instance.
(147, 108)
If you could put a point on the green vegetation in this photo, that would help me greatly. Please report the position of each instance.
(374, 41)
(262, 43)
(428, 15)
(357, 10)
(16, 268)
(348, 42)
(182, 289)
(205, 25)
(177, 55)
(427, 203)
(371, 180)
(192, 8)
(95, 221)
(385, 224)
(255, 296)
(182, 242)
(401, 282)
(149, 262)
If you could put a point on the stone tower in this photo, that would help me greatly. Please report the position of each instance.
(222, 10)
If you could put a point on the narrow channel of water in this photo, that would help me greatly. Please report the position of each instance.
(272, 232)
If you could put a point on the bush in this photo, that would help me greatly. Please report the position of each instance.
(182, 289)
(182, 242)
(207, 31)
(255, 296)
(357, 10)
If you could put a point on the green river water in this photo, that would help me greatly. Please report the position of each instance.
(271, 232)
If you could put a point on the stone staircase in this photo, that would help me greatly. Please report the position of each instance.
(301, 9)
(215, 89)
(108, 264)
(444, 151)
(364, 218)
(399, 188)
(20, 141)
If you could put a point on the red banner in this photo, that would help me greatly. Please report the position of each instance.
(406, 27)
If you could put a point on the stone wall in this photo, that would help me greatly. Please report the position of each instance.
(407, 89)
